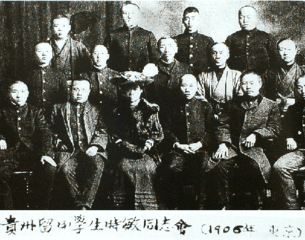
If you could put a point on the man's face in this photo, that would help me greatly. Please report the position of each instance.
(188, 86)
(251, 84)
(100, 55)
(220, 55)
(301, 87)
(132, 93)
(247, 18)
(191, 22)
(168, 48)
(43, 53)
(287, 50)
(18, 93)
(61, 28)
(130, 14)
(80, 91)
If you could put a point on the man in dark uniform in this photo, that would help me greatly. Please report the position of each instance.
(165, 89)
(102, 91)
(130, 47)
(46, 85)
(193, 47)
(81, 139)
(293, 161)
(26, 144)
(251, 48)
(188, 137)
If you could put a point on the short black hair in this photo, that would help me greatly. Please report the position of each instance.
(251, 71)
(284, 39)
(190, 10)
(165, 37)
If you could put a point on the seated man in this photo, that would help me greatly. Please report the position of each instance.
(134, 133)
(284, 167)
(102, 91)
(193, 47)
(220, 84)
(188, 137)
(280, 81)
(165, 88)
(46, 85)
(243, 134)
(81, 140)
(26, 144)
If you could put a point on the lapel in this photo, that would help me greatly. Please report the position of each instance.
(287, 79)
(66, 112)
(87, 120)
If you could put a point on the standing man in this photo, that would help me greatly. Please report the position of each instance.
(131, 47)
(220, 84)
(193, 47)
(251, 48)
(46, 85)
(280, 81)
(69, 56)
(166, 87)
(81, 140)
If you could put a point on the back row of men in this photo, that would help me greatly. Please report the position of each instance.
(131, 48)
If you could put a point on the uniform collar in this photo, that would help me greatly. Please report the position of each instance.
(19, 108)
(194, 34)
(131, 29)
(249, 32)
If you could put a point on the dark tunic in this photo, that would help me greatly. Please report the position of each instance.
(72, 59)
(195, 50)
(166, 87)
(78, 127)
(253, 49)
(131, 50)
(130, 129)
(47, 87)
(28, 138)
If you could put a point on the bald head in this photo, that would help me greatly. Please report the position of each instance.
(300, 84)
(247, 18)
(188, 86)
(220, 54)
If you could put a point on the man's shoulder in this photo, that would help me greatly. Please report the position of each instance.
(182, 65)
(152, 108)
(269, 102)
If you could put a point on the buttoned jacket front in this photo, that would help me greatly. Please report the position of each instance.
(25, 125)
(195, 50)
(242, 119)
(131, 50)
(95, 128)
(190, 122)
(254, 50)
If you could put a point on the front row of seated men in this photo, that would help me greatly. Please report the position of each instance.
(192, 145)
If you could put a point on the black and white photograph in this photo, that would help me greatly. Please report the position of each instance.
(195, 109)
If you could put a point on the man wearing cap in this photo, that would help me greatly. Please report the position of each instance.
(251, 48)
(193, 47)
(220, 84)
(80, 141)
(280, 81)
(130, 47)
(134, 134)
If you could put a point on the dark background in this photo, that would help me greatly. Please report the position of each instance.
(23, 24)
